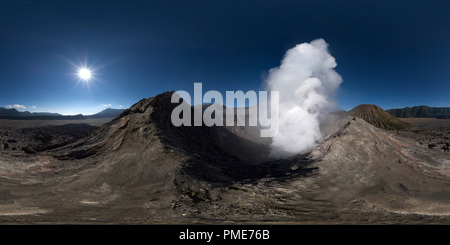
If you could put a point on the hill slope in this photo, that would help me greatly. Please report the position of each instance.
(376, 116)
(378, 168)
(140, 156)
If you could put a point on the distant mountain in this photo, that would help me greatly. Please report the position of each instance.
(376, 116)
(15, 113)
(33, 114)
(421, 112)
(26, 115)
(9, 112)
(109, 112)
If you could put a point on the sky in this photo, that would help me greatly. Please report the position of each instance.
(390, 53)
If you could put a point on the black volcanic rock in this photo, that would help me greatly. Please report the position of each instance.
(376, 116)
(421, 112)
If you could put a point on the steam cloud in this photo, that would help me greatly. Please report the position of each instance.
(306, 82)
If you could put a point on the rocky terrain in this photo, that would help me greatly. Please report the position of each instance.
(429, 132)
(31, 136)
(140, 169)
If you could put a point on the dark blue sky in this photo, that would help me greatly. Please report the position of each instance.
(390, 53)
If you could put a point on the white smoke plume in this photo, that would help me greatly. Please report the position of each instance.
(306, 81)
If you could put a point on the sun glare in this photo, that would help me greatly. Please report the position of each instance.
(84, 74)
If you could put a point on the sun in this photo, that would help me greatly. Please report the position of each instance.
(84, 74)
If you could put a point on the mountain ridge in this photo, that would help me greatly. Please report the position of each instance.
(421, 112)
(26, 115)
